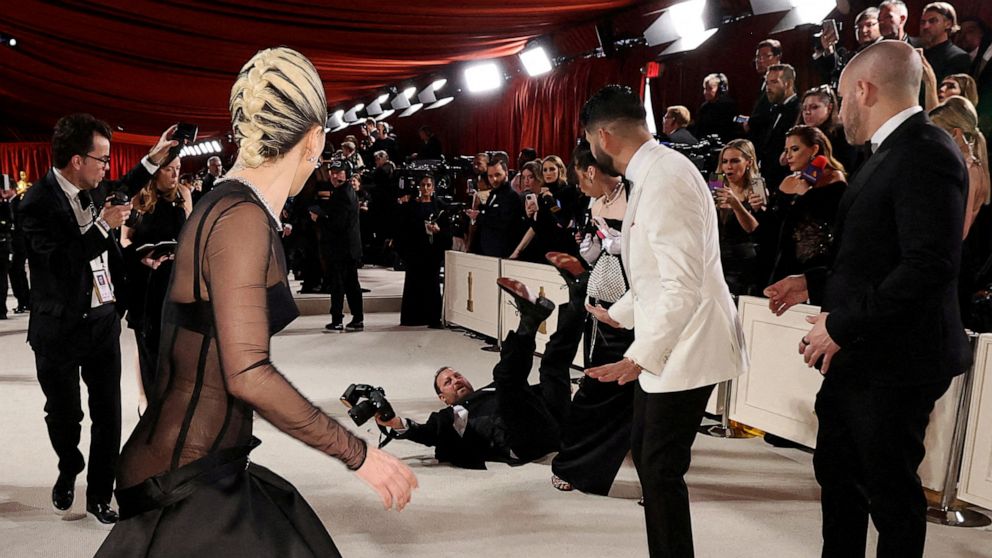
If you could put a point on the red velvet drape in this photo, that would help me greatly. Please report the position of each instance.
(36, 159)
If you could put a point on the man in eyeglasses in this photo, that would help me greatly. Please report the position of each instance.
(76, 271)
(830, 58)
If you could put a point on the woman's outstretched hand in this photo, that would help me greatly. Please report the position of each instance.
(389, 477)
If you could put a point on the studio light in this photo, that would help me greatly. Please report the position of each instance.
(402, 100)
(483, 77)
(804, 12)
(217, 147)
(536, 61)
(681, 23)
(374, 108)
(411, 110)
(352, 115)
(438, 84)
(385, 114)
(334, 120)
(440, 103)
(12, 42)
(382, 98)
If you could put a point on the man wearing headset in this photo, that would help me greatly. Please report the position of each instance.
(716, 114)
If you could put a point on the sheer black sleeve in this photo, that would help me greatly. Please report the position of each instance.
(238, 254)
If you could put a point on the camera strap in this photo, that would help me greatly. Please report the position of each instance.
(386, 436)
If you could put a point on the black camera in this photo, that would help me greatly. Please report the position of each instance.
(364, 402)
(117, 198)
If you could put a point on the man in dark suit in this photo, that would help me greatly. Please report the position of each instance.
(506, 421)
(981, 70)
(768, 54)
(341, 244)
(780, 87)
(892, 16)
(500, 220)
(76, 268)
(889, 337)
(215, 169)
(938, 23)
(716, 114)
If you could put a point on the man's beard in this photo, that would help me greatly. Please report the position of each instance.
(852, 127)
(605, 162)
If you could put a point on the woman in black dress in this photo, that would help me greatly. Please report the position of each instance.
(806, 208)
(595, 436)
(161, 209)
(184, 484)
(738, 243)
(424, 237)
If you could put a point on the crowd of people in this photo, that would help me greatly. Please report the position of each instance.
(871, 208)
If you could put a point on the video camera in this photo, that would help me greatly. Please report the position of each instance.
(364, 402)
(705, 153)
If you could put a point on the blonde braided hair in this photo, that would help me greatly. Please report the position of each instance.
(277, 98)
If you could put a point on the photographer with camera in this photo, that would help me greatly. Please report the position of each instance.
(76, 284)
(829, 57)
(148, 237)
(508, 420)
(425, 234)
(336, 215)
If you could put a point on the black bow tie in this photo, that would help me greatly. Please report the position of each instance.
(85, 201)
(868, 148)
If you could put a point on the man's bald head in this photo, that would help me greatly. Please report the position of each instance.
(893, 67)
(878, 83)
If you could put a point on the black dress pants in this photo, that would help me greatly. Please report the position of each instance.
(559, 352)
(18, 276)
(868, 448)
(94, 353)
(531, 427)
(664, 429)
(344, 282)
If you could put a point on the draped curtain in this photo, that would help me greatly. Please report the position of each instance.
(35, 158)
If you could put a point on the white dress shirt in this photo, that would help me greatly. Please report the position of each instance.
(885, 130)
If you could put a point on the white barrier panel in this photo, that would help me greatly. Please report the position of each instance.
(471, 297)
(976, 471)
(543, 280)
(777, 392)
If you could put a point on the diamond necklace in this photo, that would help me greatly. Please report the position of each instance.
(258, 194)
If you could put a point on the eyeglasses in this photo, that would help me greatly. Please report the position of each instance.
(105, 160)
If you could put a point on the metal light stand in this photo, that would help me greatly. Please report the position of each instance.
(725, 429)
(949, 513)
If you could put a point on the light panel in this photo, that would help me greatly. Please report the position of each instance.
(483, 77)
(536, 61)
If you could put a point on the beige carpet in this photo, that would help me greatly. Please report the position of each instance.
(748, 499)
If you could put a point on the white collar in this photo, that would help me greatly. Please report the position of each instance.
(885, 130)
(988, 54)
(639, 159)
(69, 188)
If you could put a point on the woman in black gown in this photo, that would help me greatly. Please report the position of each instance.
(424, 238)
(806, 208)
(161, 209)
(595, 436)
(184, 484)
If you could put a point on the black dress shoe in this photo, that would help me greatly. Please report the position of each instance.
(102, 513)
(334, 326)
(533, 309)
(63, 494)
(21, 310)
(574, 273)
(355, 326)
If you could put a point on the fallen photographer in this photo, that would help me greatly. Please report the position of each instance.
(506, 421)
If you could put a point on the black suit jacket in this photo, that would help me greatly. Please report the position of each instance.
(500, 222)
(59, 255)
(341, 232)
(484, 438)
(770, 143)
(983, 79)
(891, 290)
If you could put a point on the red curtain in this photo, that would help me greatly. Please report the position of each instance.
(35, 158)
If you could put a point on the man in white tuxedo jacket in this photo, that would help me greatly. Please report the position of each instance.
(687, 332)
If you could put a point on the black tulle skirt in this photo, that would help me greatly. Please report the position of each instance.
(596, 437)
(220, 505)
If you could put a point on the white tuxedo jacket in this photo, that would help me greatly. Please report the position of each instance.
(686, 328)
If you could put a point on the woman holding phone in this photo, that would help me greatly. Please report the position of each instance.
(738, 224)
